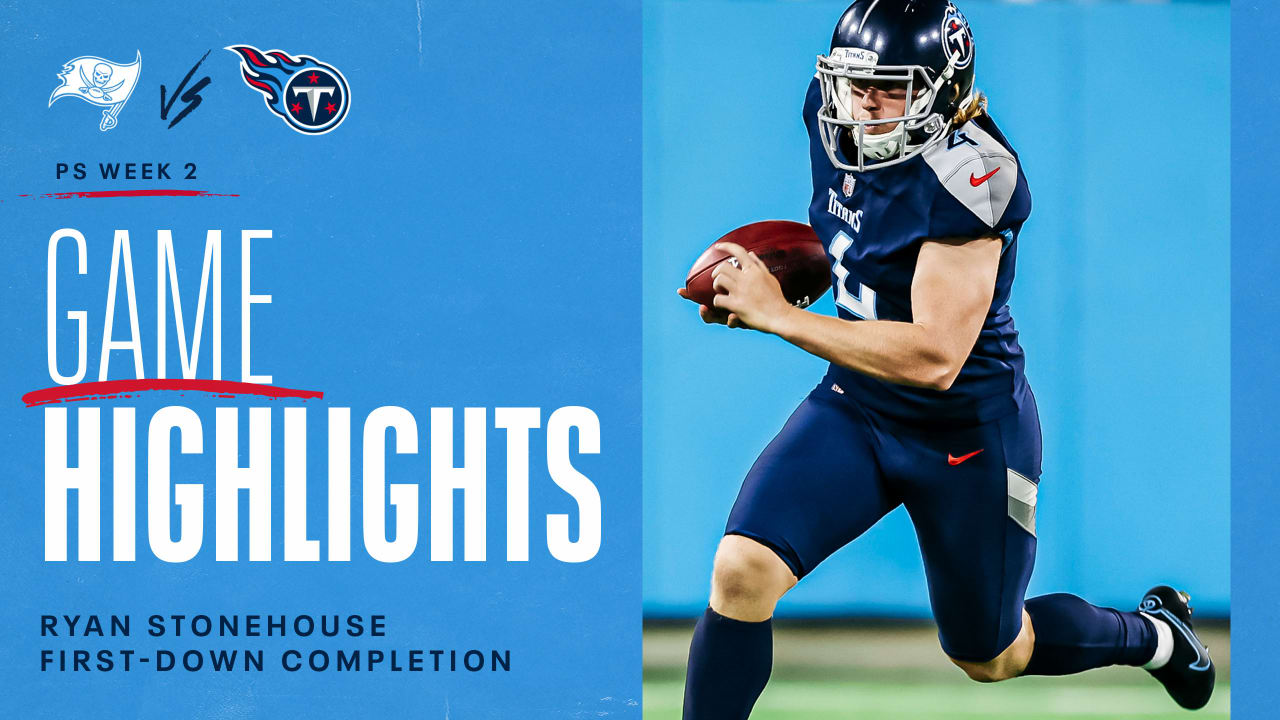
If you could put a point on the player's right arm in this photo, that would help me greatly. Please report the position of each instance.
(951, 293)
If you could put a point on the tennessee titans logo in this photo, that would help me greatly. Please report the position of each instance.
(310, 96)
(957, 38)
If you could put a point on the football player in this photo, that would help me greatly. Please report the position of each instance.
(919, 199)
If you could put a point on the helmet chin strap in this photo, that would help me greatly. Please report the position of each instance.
(884, 145)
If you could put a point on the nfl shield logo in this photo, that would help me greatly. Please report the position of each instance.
(848, 184)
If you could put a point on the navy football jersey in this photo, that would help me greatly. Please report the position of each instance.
(873, 224)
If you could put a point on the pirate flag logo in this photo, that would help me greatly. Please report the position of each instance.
(99, 82)
(308, 95)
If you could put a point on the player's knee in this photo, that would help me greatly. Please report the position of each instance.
(1009, 663)
(987, 672)
(736, 581)
(740, 578)
(748, 578)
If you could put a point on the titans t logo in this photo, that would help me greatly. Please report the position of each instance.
(310, 96)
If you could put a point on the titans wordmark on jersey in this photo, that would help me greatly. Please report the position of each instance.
(873, 224)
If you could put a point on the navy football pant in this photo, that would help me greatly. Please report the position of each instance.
(836, 468)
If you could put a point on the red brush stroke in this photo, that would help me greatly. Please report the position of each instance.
(128, 193)
(113, 389)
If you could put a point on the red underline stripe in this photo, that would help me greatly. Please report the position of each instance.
(114, 389)
(161, 192)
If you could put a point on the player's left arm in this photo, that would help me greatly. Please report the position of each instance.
(951, 293)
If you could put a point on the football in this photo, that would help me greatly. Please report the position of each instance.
(792, 251)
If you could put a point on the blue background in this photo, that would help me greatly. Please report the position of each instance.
(467, 237)
(1120, 113)
(1255, 355)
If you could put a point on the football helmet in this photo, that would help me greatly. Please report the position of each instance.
(922, 49)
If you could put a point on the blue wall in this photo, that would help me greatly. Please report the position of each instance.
(1121, 115)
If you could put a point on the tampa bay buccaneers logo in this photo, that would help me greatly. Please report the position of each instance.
(957, 39)
(310, 96)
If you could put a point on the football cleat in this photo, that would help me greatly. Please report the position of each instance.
(1189, 674)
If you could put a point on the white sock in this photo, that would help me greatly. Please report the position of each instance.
(1164, 643)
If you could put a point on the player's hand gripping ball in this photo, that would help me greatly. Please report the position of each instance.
(790, 251)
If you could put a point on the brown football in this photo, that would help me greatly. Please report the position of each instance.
(792, 251)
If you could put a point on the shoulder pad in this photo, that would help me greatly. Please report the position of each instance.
(977, 170)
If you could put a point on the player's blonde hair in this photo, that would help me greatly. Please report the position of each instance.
(977, 106)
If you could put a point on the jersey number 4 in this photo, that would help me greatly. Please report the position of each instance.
(862, 303)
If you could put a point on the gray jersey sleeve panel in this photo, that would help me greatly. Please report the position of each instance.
(982, 176)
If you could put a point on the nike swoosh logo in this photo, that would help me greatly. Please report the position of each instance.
(953, 460)
(1202, 655)
(976, 181)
